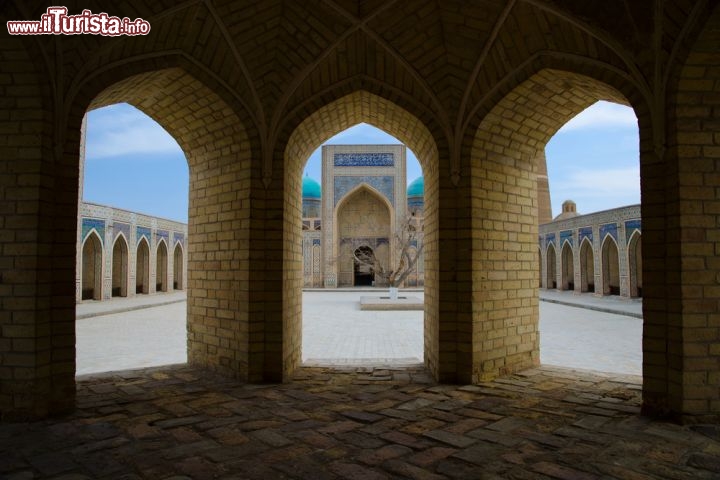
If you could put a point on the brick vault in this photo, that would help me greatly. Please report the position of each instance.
(476, 89)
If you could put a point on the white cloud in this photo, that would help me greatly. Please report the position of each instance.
(123, 130)
(596, 189)
(602, 115)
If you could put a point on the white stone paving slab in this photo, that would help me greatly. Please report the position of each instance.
(337, 332)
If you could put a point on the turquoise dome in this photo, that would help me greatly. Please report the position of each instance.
(310, 188)
(416, 188)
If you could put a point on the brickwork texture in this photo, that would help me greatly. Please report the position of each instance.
(476, 89)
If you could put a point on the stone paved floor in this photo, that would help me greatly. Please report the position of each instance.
(184, 423)
(337, 332)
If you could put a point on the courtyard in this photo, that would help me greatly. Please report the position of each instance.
(336, 332)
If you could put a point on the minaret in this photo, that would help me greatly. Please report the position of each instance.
(543, 192)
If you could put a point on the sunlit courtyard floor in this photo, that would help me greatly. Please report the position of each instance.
(336, 331)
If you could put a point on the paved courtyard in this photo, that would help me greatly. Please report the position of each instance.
(183, 423)
(371, 423)
(337, 332)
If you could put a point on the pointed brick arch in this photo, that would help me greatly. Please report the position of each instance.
(91, 276)
(204, 117)
(342, 113)
(142, 267)
(361, 201)
(120, 266)
(610, 266)
(551, 266)
(587, 266)
(506, 158)
(635, 265)
(161, 266)
(178, 267)
(567, 267)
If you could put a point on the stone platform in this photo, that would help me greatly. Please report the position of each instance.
(384, 303)
(357, 423)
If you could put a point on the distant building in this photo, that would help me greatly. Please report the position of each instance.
(600, 252)
(123, 254)
(362, 203)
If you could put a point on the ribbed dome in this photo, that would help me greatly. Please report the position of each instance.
(310, 188)
(416, 188)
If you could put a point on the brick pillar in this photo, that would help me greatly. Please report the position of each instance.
(38, 226)
(681, 245)
(504, 235)
(453, 327)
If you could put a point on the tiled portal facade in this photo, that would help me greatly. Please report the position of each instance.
(599, 252)
(475, 89)
(364, 204)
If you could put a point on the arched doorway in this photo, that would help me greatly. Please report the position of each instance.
(307, 135)
(363, 268)
(540, 269)
(120, 267)
(178, 268)
(567, 268)
(551, 277)
(610, 267)
(92, 268)
(161, 270)
(364, 220)
(635, 264)
(142, 268)
(587, 267)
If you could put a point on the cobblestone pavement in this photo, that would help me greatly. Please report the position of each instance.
(382, 423)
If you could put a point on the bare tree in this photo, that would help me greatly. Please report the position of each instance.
(405, 257)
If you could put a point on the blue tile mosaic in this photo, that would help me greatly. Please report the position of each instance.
(178, 237)
(143, 232)
(609, 228)
(583, 233)
(363, 160)
(550, 238)
(124, 228)
(316, 241)
(382, 240)
(630, 227)
(566, 235)
(162, 234)
(383, 184)
(89, 224)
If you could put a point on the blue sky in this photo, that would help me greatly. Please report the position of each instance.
(132, 163)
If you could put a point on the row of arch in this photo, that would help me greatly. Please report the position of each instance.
(121, 275)
(615, 271)
(481, 313)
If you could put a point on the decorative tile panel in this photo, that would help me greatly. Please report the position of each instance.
(119, 227)
(583, 233)
(610, 228)
(566, 235)
(143, 232)
(178, 237)
(630, 227)
(383, 184)
(89, 224)
(316, 241)
(363, 159)
(550, 238)
(162, 234)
